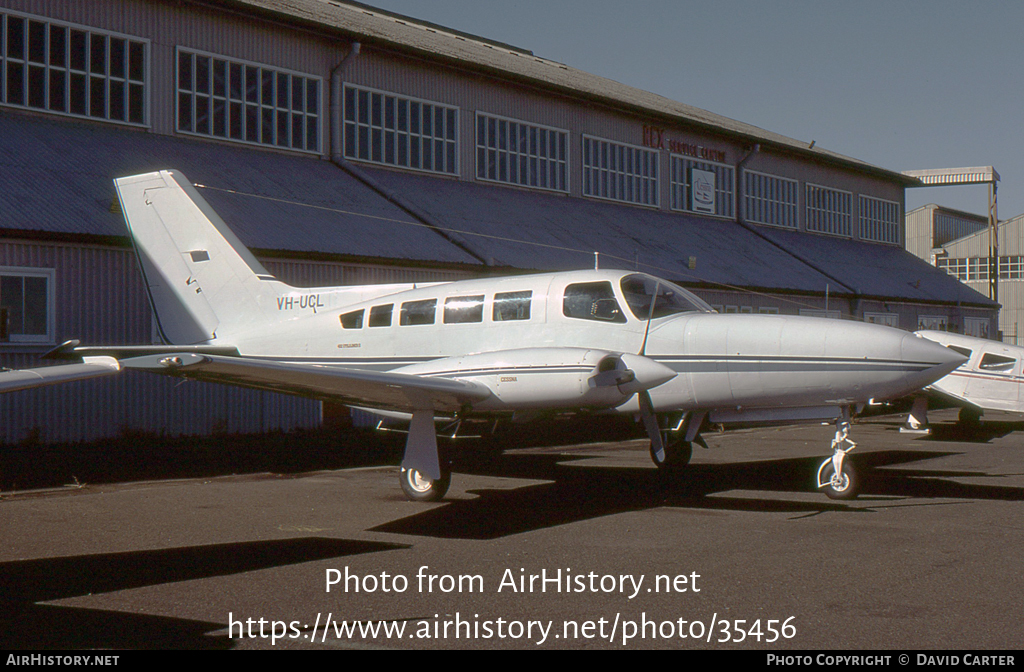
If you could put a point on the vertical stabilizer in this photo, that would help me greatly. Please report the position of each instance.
(203, 283)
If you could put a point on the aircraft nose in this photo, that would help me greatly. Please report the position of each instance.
(934, 360)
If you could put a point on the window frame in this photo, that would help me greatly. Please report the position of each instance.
(772, 208)
(873, 224)
(824, 213)
(614, 180)
(353, 127)
(47, 69)
(680, 187)
(558, 165)
(49, 274)
(243, 104)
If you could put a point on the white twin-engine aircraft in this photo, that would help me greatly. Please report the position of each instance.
(585, 341)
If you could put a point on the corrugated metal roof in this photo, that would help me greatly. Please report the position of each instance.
(57, 178)
(876, 271)
(363, 22)
(541, 231)
(536, 230)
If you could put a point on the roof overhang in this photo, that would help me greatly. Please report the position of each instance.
(944, 177)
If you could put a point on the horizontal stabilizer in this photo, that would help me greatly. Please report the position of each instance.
(390, 391)
(91, 367)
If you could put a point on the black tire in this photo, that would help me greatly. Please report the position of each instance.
(677, 456)
(849, 485)
(969, 417)
(421, 488)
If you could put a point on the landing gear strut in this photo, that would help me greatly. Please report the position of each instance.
(837, 477)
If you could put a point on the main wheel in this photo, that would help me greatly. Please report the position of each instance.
(844, 487)
(419, 487)
(677, 455)
(969, 417)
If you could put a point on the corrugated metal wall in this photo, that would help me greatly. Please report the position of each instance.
(99, 298)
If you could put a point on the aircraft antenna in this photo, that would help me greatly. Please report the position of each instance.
(597, 260)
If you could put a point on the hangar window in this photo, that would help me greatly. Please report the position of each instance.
(592, 301)
(771, 200)
(702, 186)
(68, 69)
(512, 306)
(26, 305)
(619, 172)
(955, 267)
(398, 131)
(418, 312)
(462, 309)
(880, 220)
(247, 102)
(976, 326)
(888, 319)
(932, 322)
(829, 210)
(1011, 268)
(524, 154)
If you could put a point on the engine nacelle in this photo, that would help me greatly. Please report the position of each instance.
(550, 378)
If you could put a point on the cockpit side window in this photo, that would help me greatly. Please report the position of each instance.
(592, 301)
(668, 299)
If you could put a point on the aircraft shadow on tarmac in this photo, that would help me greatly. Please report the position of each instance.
(983, 432)
(575, 492)
(26, 624)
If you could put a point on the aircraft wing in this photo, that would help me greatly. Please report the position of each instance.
(90, 367)
(392, 391)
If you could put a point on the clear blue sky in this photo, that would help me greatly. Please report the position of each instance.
(901, 84)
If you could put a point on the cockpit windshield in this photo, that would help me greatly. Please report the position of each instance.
(641, 291)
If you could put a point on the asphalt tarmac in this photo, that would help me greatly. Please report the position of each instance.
(741, 553)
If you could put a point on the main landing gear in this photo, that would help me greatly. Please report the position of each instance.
(419, 487)
(672, 448)
(836, 476)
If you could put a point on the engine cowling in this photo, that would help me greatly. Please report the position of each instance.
(551, 378)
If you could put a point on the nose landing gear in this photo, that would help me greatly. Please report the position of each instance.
(837, 477)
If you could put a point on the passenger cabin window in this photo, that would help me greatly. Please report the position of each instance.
(990, 362)
(462, 309)
(511, 306)
(592, 301)
(353, 320)
(642, 292)
(380, 316)
(417, 312)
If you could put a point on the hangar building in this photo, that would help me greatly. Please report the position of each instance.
(958, 243)
(345, 144)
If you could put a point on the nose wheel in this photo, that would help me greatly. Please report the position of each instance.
(836, 476)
